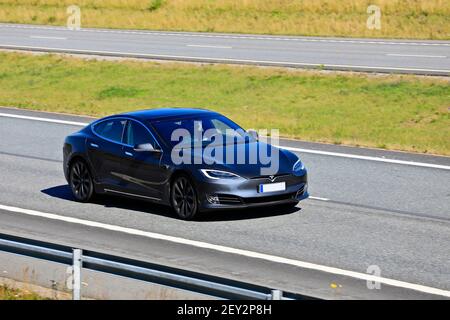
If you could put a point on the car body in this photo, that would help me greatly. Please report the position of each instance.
(131, 155)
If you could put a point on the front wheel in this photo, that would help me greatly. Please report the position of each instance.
(81, 182)
(184, 198)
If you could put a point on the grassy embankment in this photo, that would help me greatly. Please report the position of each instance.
(394, 112)
(426, 19)
(7, 293)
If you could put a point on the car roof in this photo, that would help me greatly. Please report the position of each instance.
(166, 113)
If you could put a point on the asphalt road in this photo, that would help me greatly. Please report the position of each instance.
(379, 55)
(364, 212)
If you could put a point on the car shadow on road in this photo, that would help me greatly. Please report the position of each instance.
(63, 192)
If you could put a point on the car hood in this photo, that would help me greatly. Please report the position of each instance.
(273, 160)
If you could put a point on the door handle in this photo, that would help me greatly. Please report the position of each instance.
(94, 145)
(129, 154)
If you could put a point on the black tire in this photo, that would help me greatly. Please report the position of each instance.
(183, 198)
(80, 181)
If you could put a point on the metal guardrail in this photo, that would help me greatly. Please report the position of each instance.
(176, 278)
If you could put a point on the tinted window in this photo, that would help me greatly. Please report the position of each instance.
(136, 134)
(111, 129)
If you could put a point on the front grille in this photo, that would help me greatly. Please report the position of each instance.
(269, 198)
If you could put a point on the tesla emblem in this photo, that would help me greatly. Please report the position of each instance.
(272, 178)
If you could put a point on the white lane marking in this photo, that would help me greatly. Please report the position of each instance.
(221, 60)
(335, 154)
(229, 36)
(242, 252)
(319, 198)
(50, 38)
(414, 55)
(7, 115)
(206, 46)
(354, 156)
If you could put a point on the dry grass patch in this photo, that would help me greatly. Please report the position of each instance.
(426, 19)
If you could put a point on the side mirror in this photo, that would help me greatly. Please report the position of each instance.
(145, 147)
(253, 133)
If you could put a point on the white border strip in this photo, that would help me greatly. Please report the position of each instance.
(241, 252)
(221, 60)
(334, 154)
(355, 156)
(16, 116)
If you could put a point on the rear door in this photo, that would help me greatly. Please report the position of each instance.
(105, 152)
(142, 170)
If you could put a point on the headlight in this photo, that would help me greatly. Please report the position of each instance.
(298, 166)
(217, 174)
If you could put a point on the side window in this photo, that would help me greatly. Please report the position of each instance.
(111, 129)
(136, 134)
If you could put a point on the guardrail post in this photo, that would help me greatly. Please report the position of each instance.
(276, 295)
(77, 264)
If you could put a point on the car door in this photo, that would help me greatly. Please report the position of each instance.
(142, 170)
(105, 152)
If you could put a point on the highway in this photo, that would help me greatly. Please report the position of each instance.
(369, 207)
(368, 55)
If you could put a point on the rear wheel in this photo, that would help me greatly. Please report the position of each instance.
(81, 182)
(184, 198)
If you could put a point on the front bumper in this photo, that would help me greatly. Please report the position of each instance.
(244, 193)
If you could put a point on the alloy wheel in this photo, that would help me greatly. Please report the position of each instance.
(184, 198)
(81, 182)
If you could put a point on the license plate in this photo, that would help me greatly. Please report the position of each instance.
(272, 187)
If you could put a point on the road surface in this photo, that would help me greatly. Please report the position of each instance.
(378, 55)
(369, 207)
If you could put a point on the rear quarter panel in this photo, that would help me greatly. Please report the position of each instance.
(74, 146)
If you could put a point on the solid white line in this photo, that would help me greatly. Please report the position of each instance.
(354, 156)
(221, 60)
(45, 37)
(220, 248)
(233, 36)
(413, 55)
(205, 46)
(334, 154)
(7, 115)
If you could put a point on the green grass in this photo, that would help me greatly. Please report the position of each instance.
(7, 293)
(425, 19)
(394, 112)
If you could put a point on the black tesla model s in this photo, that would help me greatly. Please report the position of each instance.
(191, 159)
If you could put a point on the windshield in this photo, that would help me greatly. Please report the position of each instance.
(201, 131)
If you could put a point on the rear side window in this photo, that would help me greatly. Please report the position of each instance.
(136, 133)
(111, 129)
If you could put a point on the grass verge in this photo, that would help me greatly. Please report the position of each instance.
(393, 112)
(425, 19)
(7, 293)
